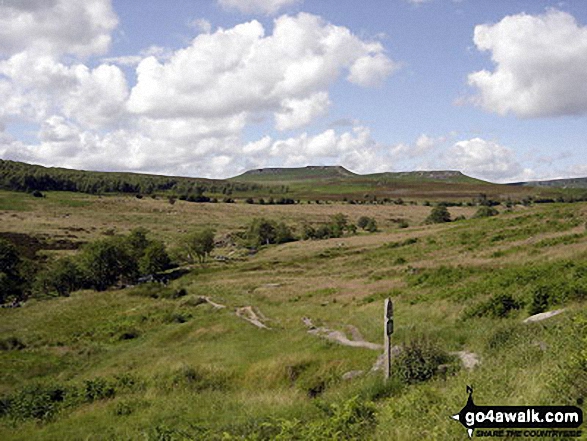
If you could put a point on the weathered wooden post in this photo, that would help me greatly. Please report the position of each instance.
(388, 330)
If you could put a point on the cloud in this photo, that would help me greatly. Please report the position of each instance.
(486, 160)
(287, 73)
(355, 149)
(268, 7)
(296, 113)
(56, 26)
(201, 25)
(40, 86)
(189, 108)
(372, 70)
(540, 66)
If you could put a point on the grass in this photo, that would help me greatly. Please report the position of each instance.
(144, 363)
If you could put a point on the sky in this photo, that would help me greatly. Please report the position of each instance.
(211, 88)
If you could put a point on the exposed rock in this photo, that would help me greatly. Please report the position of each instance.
(469, 359)
(352, 374)
(543, 316)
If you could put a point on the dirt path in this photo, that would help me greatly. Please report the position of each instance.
(214, 304)
(340, 337)
(256, 318)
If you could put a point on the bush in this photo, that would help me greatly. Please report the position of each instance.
(541, 298)
(485, 211)
(98, 389)
(11, 280)
(498, 306)
(438, 215)
(105, 263)
(11, 344)
(62, 277)
(265, 232)
(418, 361)
(40, 402)
(154, 259)
(200, 245)
(367, 223)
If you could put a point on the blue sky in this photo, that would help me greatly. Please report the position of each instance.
(210, 88)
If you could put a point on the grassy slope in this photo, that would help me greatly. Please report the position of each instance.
(247, 375)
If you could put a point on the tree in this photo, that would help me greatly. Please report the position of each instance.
(438, 215)
(486, 211)
(154, 259)
(11, 281)
(200, 244)
(105, 263)
(62, 277)
(261, 232)
(283, 233)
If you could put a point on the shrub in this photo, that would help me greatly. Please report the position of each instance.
(418, 361)
(498, 306)
(283, 233)
(107, 262)
(36, 401)
(200, 244)
(363, 221)
(486, 211)
(154, 259)
(367, 223)
(61, 277)
(11, 344)
(11, 280)
(98, 389)
(541, 298)
(438, 215)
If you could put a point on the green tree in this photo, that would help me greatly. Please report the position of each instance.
(200, 244)
(11, 281)
(105, 263)
(438, 215)
(261, 231)
(61, 277)
(283, 233)
(154, 259)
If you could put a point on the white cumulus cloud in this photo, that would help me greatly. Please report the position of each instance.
(540, 65)
(486, 160)
(56, 26)
(243, 70)
(257, 6)
(296, 113)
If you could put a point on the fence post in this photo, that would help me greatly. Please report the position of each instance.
(388, 330)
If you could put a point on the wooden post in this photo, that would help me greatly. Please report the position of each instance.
(388, 330)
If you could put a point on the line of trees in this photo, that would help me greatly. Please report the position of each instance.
(18, 176)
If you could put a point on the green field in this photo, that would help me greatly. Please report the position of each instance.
(160, 363)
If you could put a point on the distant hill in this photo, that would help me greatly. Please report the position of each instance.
(556, 183)
(19, 176)
(447, 176)
(337, 172)
(281, 175)
(311, 183)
